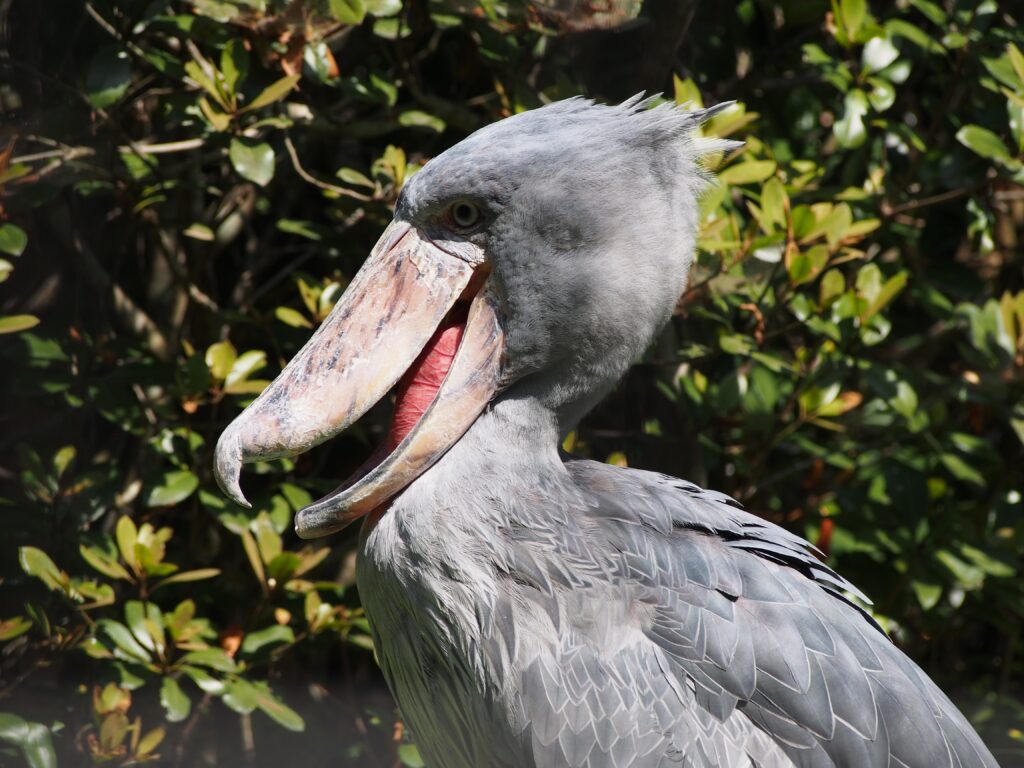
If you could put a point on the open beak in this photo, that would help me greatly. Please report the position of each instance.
(391, 312)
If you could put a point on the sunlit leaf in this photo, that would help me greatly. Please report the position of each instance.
(849, 129)
(32, 739)
(17, 323)
(253, 160)
(220, 357)
(12, 239)
(198, 574)
(37, 563)
(108, 76)
(176, 704)
(254, 642)
(878, 53)
(273, 92)
(415, 118)
(983, 142)
(104, 562)
(172, 488)
(750, 172)
(348, 11)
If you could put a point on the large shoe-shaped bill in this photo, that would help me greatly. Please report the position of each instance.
(370, 339)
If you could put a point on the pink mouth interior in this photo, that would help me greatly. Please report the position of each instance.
(418, 387)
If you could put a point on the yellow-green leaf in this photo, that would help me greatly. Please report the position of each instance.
(253, 160)
(273, 92)
(750, 172)
(16, 323)
(219, 359)
(12, 239)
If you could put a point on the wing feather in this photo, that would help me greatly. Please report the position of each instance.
(762, 632)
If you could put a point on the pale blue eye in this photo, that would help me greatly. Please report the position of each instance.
(464, 214)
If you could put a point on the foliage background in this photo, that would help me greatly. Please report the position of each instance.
(186, 187)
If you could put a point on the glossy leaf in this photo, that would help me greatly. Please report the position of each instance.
(172, 488)
(253, 160)
(12, 239)
(176, 704)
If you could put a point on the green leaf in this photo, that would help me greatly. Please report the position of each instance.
(241, 696)
(273, 92)
(932, 11)
(108, 76)
(219, 359)
(172, 488)
(1016, 58)
(409, 756)
(852, 13)
(244, 366)
(211, 658)
(808, 264)
(278, 710)
(355, 178)
(983, 142)
(849, 130)
(916, 35)
(37, 563)
(234, 64)
(267, 538)
(277, 634)
(150, 741)
(292, 317)
(201, 232)
(989, 564)
(174, 701)
(127, 536)
(33, 739)
(968, 576)
(17, 323)
(198, 574)
(306, 229)
(961, 470)
(750, 172)
(415, 118)
(253, 161)
(882, 94)
(888, 291)
(773, 204)
(878, 53)
(12, 239)
(14, 627)
(146, 624)
(927, 594)
(348, 11)
(104, 562)
(124, 640)
(833, 284)
(206, 682)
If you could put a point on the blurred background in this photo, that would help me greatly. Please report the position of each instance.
(187, 186)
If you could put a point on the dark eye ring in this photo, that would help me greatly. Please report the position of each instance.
(464, 214)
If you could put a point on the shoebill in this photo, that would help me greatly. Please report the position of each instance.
(530, 608)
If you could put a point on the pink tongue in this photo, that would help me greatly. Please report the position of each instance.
(419, 385)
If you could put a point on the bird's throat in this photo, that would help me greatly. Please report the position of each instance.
(420, 384)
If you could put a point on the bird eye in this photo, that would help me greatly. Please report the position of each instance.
(464, 214)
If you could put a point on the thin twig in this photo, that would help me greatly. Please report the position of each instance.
(165, 148)
(71, 153)
(912, 205)
(306, 176)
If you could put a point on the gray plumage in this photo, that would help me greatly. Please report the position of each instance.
(530, 609)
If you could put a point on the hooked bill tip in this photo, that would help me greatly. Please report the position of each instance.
(227, 467)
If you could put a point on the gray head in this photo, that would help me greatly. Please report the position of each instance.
(587, 215)
(558, 241)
